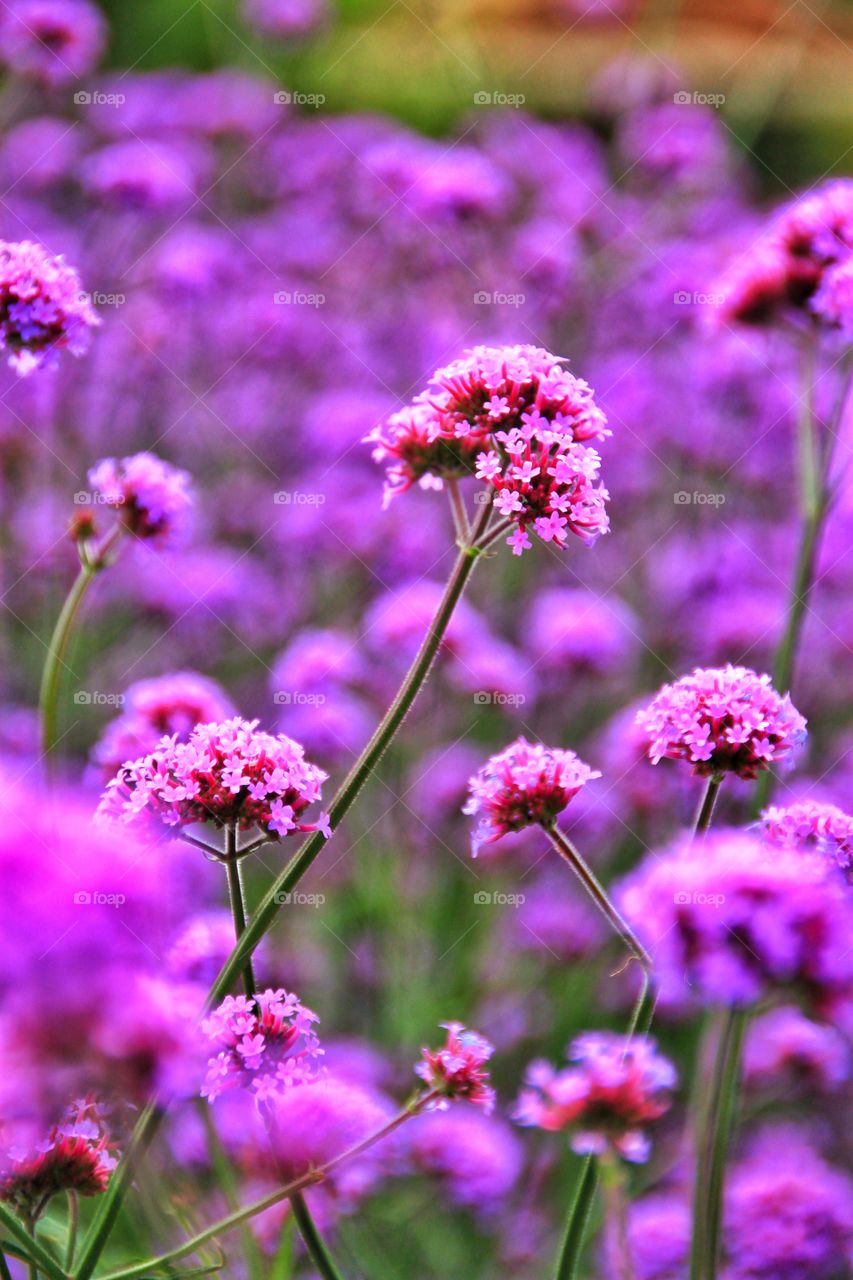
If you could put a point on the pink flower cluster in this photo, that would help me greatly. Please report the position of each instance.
(75, 1156)
(800, 265)
(722, 720)
(42, 307)
(268, 1044)
(457, 1070)
(613, 1087)
(809, 825)
(152, 497)
(522, 424)
(51, 41)
(231, 774)
(522, 785)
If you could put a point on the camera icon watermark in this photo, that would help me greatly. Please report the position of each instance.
(103, 299)
(486, 298)
(682, 298)
(293, 697)
(97, 698)
(485, 899)
(298, 498)
(487, 697)
(86, 98)
(496, 98)
(300, 899)
(684, 98)
(293, 98)
(696, 899)
(697, 499)
(83, 898)
(296, 298)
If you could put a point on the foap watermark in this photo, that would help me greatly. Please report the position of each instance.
(97, 698)
(104, 299)
(83, 898)
(485, 899)
(295, 298)
(496, 98)
(495, 298)
(686, 899)
(94, 498)
(486, 698)
(697, 499)
(297, 899)
(298, 498)
(295, 698)
(684, 98)
(94, 98)
(295, 98)
(682, 298)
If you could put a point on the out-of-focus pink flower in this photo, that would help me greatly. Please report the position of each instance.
(52, 41)
(732, 919)
(784, 1049)
(286, 19)
(723, 720)
(833, 302)
(477, 1159)
(43, 309)
(524, 784)
(170, 704)
(152, 497)
(75, 1156)
(228, 774)
(613, 1088)
(810, 825)
(417, 451)
(457, 1071)
(268, 1045)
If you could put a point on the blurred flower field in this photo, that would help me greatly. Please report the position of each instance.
(426, 671)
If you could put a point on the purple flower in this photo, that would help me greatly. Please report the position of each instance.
(784, 1049)
(811, 825)
(75, 1156)
(524, 784)
(164, 705)
(42, 307)
(659, 1234)
(458, 1069)
(268, 1044)
(477, 1159)
(787, 1213)
(613, 1088)
(286, 19)
(230, 774)
(52, 41)
(151, 496)
(723, 720)
(732, 919)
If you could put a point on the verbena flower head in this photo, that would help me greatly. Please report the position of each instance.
(152, 497)
(732, 919)
(227, 774)
(477, 1159)
(457, 1071)
(267, 1044)
(612, 1089)
(522, 785)
(814, 826)
(286, 19)
(75, 1156)
(173, 703)
(43, 309)
(785, 1050)
(723, 720)
(784, 272)
(52, 41)
(517, 419)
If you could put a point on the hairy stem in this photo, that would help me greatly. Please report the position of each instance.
(707, 804)
(573, 1241)
(314, 1243)
(238, 902)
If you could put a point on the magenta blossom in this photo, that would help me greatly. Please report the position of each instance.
(522, 785)
(42, 307)
(723, 720)
(521, 423)
(612, 1089)
(152, 498)
(75, 1156)
(785, 1050)
(810, 825)
(267, 1044)
(230, 774)
(458, 1069)
(52, 41)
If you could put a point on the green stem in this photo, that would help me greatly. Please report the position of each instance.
(705, 812)
(616, 1217)
(5, 1273)
(238, 903)
(260, 1206)
(228, 1185)
(314, 1243)
(73, 1223)
(573, 1242)
(599, 895)
(30, 1248)
(55, 661)
(384, 734)
(712, 1146)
